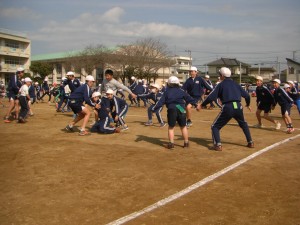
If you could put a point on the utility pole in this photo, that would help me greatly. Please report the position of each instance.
(190, 54)
(240, 72)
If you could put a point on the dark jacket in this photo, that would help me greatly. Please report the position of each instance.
(227, 91)
(195, 87)
(174, 96)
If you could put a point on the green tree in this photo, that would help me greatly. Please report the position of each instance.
(41, 69)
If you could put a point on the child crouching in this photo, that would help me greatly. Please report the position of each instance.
(102, 125)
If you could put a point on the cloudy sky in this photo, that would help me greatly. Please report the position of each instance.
(255, 31)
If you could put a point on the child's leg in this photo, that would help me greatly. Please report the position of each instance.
(258, 111)
(86, 117)
(267, 117)
(171, 134)
(17, 107)
(185, 134)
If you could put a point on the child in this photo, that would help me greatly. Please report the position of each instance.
(265, 101)
(175, 99)
(294, 94)
(77, 98)
(121, 108)
(285, 102)
(154, 95)
(32, 95)
(102, 122)
(23, 99)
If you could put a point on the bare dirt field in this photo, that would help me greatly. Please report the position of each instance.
(51, 177)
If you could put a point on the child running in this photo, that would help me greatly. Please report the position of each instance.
(265, 101)
(285, 102)
(77, 98)
(176, 99)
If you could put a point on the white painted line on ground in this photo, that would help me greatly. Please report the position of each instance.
(197, 185)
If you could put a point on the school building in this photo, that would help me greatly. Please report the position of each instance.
(15, 51)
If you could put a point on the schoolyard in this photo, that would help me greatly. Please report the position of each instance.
(48, 176)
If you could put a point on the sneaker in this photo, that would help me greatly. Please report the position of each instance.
(258, 125)
(290, 130)
(218, 148)
(84, 132)
(278, 125)
(250, 144)
(125, 128)
(6, 120)
(163, 124)
(148, 124)
(68, 128)
(170, 145)
(189, 124)
(186, 145)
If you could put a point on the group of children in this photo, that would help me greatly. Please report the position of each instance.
(110, 110)
(267, 99)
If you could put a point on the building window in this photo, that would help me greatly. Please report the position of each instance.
(59, 68)
(12, 44)
(12, 62)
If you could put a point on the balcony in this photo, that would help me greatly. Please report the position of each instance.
(9, 68)
(17, 52)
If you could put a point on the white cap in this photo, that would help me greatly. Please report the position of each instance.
(291, 82)
(173, 80)
(96, 94)
(27, 79)
(277, 81)
(109, 91)
(207, 76)
(22, 79)
(155, 85)
(63, 78)
(99, 85)
(70, 73)
(89, 78)
(36, 83)
(20, 69)
(286, 86)
(132, 78)
(140, 81)
(224, 71)
(193, 68)
(46, 78)
(259, 78)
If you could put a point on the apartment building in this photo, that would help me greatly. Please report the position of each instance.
(15, 51)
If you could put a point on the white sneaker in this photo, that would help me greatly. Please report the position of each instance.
(278, 125)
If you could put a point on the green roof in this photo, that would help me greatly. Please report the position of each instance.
(59, 55)
(52, 56)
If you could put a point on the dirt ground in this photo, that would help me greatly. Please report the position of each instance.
(50, 177)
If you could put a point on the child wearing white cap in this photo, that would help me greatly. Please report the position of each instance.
(285, 102)
(23, 99)
(264, 101)
(294, 94)
(176, 101)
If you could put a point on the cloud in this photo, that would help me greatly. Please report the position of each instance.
(19, 13)
(109, 29)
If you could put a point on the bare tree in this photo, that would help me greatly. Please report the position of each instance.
(89, 58)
